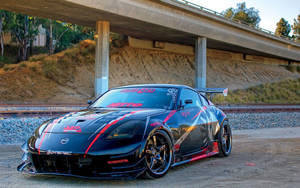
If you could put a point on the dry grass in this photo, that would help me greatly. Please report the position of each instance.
(68, 76)
(287, 91)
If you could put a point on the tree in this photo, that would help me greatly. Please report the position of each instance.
(243, 14)
(23, 29)
(283, 28)
(4, 25)
(61, 35)
(296, 29)
(1, 33)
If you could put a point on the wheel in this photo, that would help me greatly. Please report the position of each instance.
(158, 155)
(225, 140)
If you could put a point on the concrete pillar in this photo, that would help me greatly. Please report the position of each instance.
(200, 61)
(101, 57)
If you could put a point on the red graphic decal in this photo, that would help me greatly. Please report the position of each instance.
(138, 90)
(76, 129)
(115, 105)
(204, 108)
(204, 154)
(176, 147)
(50, 125)
(169, 116)
(106, 127)
(155, 124)
(118, 161)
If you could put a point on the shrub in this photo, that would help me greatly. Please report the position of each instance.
(33, 69)
(39, 57)
(23, 65)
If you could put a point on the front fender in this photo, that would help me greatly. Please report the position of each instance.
(152, 126)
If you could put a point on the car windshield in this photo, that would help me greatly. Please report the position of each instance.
(138, 98)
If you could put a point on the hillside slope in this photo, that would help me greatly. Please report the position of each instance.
(287, 92)
(68, 76)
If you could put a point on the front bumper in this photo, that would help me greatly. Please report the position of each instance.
(128, 165)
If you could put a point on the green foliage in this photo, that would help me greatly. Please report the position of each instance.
(283, 28)
(74, 35)
(61, 35)
(243, 14)
(291, 68)
(287, 91)
(4, 60)
(6, 17)
(23, 29)
(296, 29)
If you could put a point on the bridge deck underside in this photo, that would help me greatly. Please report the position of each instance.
(68, 11)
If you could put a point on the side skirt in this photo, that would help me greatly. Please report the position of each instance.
(207, 152)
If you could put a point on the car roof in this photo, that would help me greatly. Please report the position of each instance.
(156, 85)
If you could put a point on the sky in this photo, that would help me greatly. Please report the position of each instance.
(270, 11)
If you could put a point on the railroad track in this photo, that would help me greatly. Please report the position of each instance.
(56, 109)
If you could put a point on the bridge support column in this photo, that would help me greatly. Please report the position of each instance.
(101, 57)
(200, 60)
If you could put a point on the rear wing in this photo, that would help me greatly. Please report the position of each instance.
(224, 91)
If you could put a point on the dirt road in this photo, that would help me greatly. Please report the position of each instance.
(260, 158)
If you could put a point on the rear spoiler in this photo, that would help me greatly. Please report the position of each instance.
(224, 91)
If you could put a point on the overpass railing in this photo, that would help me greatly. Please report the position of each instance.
(190, 4)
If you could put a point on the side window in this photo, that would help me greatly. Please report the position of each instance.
(203, 100)
(190, 94)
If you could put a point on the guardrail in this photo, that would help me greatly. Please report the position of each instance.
(190, 4)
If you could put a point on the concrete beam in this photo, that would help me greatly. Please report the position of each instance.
(152, 19)
(200, 61)
(101, 57)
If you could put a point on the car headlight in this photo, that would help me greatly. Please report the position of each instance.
(127, 130)
(39, 131)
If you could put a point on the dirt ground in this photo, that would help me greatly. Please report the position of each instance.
(260, 158)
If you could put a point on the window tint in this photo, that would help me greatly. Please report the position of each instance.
(204, 100)
(190, 94)
(138, 98)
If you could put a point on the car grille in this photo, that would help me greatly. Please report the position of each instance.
(77, 165)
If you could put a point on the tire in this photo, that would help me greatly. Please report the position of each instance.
(158, 155)
(225, 139)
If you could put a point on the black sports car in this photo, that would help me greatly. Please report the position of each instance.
(130, 131)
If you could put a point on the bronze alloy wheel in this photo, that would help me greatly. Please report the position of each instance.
(158, 154)
(225, 139)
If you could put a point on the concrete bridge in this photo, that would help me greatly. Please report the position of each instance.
(158, 20)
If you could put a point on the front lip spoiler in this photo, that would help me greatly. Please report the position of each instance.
(23, 165)
(132, 174)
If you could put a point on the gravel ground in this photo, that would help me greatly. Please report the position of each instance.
(15, 130)
(264, 120)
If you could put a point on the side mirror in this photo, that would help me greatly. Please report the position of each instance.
(89, 102)
(188, 101)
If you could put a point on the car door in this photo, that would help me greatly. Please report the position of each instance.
(211, 120)
(190, 129)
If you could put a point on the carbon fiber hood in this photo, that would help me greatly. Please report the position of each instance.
(90, 121)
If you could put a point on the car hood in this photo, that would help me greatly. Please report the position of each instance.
(92, 120)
